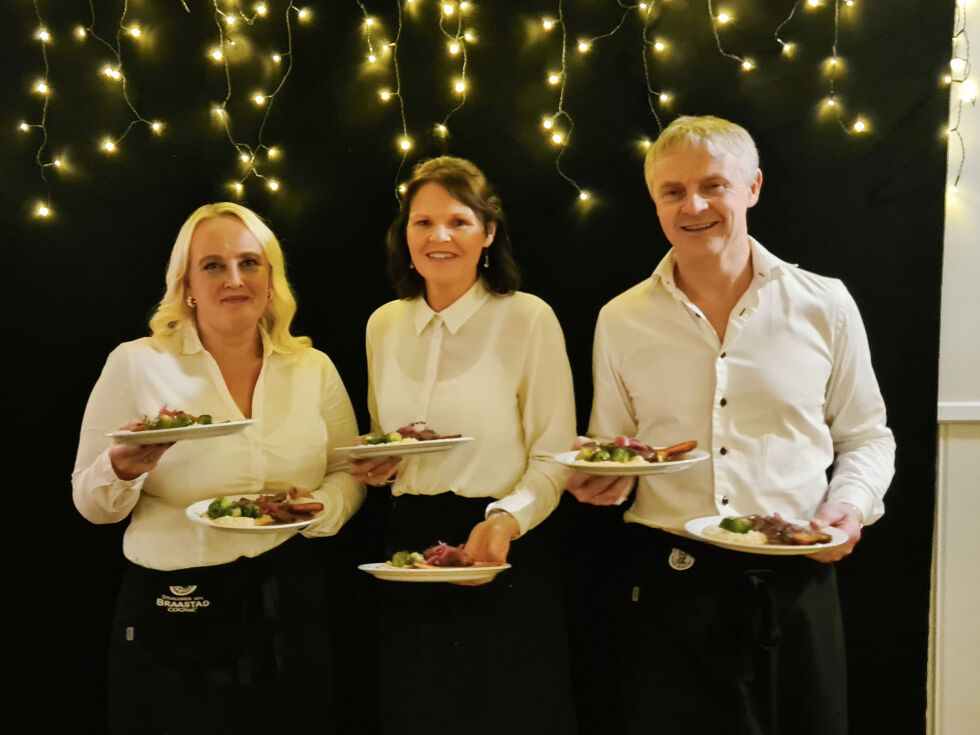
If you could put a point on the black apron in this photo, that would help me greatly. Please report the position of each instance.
(721, 641)
(234, 647)
(491, 659)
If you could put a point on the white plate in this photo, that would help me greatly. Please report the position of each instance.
(397, 449)
(630, 469)
(194, 431)
(198, 512)
(386, 571)
(696, 529)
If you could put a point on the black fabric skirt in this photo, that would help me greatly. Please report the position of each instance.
(238, 647)
(721, 641)
(489, 659)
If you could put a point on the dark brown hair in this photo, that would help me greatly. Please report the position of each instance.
(466, 184)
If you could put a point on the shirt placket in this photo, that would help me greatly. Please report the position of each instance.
(431, 368)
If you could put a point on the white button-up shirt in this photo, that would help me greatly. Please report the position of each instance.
(490, 367)
(301, 412)
(789, 394)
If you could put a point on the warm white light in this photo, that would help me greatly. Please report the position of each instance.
(454, 48)
(244, 158)
(402, 188)
(372, 58)
(108, 146)
(447, 9)
(57, 163)
(23, 127)
(725, 18)
(664, 97)
(216, 54)
(42, 35)
(557, 138)
(384, 94)
(643, 6)
(831, 102)
(659, 46)
(273, 152)
(368, 22)
(276, 58)
(460, 86)
(547, 123)
(261, 9)
(584, 195)
(230, 20)
(305, 14)
(547, 23)
(469, 37)
(554, 78)
(258, 99)
(405, 144)
(789, 48)
(42, 210)
(156, 126)
(441, 130)
(860, 126)
(80, 32)
(273, 185)
(583, 47)
(646, 143)
(464, 5)
(748, 65)
(112, 73)
(41, 88)
(135, 31)
(813, 3)
(947, 79)
(219, 111)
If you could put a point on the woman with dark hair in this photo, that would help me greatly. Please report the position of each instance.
(463, 352)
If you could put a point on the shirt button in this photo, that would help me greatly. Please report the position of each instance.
(723, 402)
(724, 500)
(723, 451)
(723, 355)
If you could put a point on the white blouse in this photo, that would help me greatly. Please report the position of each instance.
(490, 367)
(301, 411)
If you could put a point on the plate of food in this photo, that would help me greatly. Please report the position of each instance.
(765, 534)
(439, 563)
(407, 440)
(625, 456)
(257, 512)
(171, 426)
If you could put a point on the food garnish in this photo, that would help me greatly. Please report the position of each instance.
(167, 419)
(627, 450)
(407, 434)
(265, 510)
(771, 529)
(440, 555)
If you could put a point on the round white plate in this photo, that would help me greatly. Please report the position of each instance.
(397, 449)
(386, 571)
(194, 431)
(630, 469)
(198, 512)
(696, 529)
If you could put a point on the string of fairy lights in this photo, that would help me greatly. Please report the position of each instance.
(241, 44)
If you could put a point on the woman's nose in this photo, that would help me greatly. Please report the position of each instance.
(440, 233)
(234, 275)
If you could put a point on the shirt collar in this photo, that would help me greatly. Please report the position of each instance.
(192, 340)
(457, 313)
(767, 266)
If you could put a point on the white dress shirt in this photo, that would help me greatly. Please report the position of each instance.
(788, 394)
(301, 411)
(490, 367)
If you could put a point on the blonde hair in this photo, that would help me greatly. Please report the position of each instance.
(173, 313)
(716, 135)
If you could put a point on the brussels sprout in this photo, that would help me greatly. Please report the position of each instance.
(250, 510)
(204, 419)
(394, 436)
(181, 420)
(585, 454)
(600, 456)
(620, 454)
(736, 524)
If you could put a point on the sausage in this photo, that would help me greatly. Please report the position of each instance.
(664, 454)
(305, 508)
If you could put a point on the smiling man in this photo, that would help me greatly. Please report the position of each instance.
(767, 366)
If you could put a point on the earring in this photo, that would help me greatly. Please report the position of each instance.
(191, 302)
(486, 257)
(411, 266)
(270, 294)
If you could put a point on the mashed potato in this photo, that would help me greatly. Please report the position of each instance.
(635, 459)
(751, 538)
(240, 521)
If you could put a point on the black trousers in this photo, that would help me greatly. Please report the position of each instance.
(487, 660)
(737, 643)
(238, 647)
